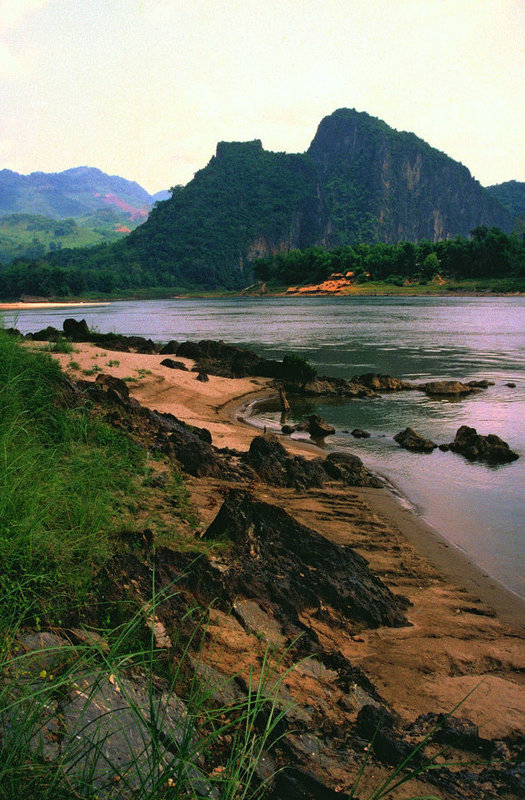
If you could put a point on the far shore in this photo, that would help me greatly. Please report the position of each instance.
(51, 304)
(459, 615)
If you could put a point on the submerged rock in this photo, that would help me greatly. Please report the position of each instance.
(448, 388)
(412, 440)
(383, 383)
(474, 446)
(357, 433)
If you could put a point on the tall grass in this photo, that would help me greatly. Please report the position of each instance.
(63, 475)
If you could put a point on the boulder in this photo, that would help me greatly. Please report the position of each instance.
(349, 469)
(294, 567)
(447, 388)
(203, 377)
(171, 364)
(318, 428)
(335, 387)
(476, 447)
(357, 433)
(117, 390)
(287, 429)
(269, 459)
(76, 330)
(412, 440)
(169, 349)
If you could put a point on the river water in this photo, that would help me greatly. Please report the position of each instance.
(479, 508)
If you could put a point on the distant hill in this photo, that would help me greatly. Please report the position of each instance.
(73, 193)
(360, 182)
(511, 195)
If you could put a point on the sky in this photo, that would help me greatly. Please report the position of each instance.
(146, 88)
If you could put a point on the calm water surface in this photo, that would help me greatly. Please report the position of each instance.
(480, 508)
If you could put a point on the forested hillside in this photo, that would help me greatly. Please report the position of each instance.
(360, 183)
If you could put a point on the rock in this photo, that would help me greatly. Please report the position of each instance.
(171, 364)
(446, 388)
(483, 384)
(203, 377)
(411, 440)
(318, 428)
(48, 334)
(269, 459)
(335, 387)
(474, 446)
(229, 361)
(75, 330)
(511, 385)
(349, 469)
(115, 389)
(287, 429)
(375, 722)
(169, 349)
(382, 383)
(279, 559)
(357, 433)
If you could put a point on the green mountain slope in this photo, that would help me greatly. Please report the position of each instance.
(511, 195)
(359, 182)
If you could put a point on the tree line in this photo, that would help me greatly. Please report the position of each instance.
(489, 253)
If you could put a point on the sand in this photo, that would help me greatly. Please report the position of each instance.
(466, 630)
(19, 306)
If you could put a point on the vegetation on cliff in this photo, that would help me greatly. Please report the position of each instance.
(489, 254)
(359, 184)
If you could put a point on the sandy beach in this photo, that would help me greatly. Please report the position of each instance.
(466, 629)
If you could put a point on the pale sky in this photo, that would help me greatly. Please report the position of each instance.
(145, 88)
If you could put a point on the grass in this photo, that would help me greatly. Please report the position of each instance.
(68, 484)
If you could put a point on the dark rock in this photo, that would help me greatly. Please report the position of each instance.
(169, 349)
(444, 448)
(411, 440)
(357, 433)
(446, 388)
(203, 377)
(350, 469)
(171, 364)
(382, 383)
(474, 446)
(278, 558)
(483, 384)
(116, 390)
(287, 429)
(298, 784)
(318, 428)
(271, 461)
(511, 385)
(75, 330)
(335, 387)
(48, 334)
(374, 722)
(229, 361)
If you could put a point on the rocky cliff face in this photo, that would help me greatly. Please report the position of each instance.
(382, 185)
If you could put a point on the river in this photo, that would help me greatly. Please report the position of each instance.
(481, 509)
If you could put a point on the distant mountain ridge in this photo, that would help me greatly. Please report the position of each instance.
(74, 192)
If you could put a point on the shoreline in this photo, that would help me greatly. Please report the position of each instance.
(463, 629)
(447, 558)
(43, 304)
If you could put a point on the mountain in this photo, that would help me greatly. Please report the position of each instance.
(73, 193)
(383, 185)
(359, 181)
(511, 195)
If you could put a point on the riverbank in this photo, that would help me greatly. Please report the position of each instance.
(464, 628)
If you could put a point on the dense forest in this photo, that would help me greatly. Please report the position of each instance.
(490, 253)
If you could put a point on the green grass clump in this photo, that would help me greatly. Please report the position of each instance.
(62, 478)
